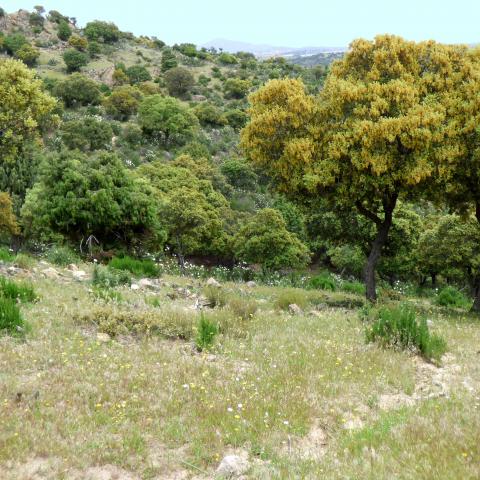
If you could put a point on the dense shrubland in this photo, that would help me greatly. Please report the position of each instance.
(149, 163)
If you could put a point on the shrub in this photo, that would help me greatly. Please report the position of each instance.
(16, 291)
(11, 320)
(64, 31)
(145, 268)
(323, 281)
(25, 261)
(169, 60)
(107, 294)
(209, 115)
(236, 88)
(109, 277)
(117, 320)
(138, 74)
(61, 255)
(353, 287)
(399, 328)
(206, 332)
(102, 31)
(289, 297)
(14, 42)
(87, 134)
(179, 81)
(78, 90)
(236, 118)
(77, 42)
(451, 297)
(123, 102)
(28, 54)
(74, 60)
(227, 58)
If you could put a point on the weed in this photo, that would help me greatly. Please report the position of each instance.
(216, 296)
(451, 297)
(109, 277)
(243, 308)
(139, 268)
(324, 281)
(399, 328)
(61, 256)
(16, 291)
(206, 332)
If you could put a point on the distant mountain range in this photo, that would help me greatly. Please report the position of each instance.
(260, 50)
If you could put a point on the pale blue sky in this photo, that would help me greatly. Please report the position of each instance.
(292, 23)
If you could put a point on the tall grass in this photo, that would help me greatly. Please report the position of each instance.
(11, 319)
(139, 268)
(16, 291)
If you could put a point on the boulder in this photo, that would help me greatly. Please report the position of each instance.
(294, 309)
(50, 273)
(103, 337)
(251, 284)
(211, 282)
(72, 267)
(79, 275)
(134, 286)
(233, 466)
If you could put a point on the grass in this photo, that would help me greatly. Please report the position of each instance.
(11, 319)
(16, 291)
(6, 255)
(139, 268)
(451, 297)
(61, 256)
(147, 401)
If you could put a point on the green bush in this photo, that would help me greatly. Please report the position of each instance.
(102, 31)
(353, 287)
(61, 256)
(11, 319)
(324, 281)
(139, 268)
(290, 297)
(109, 277)
(74, 60)
(6, 255)
(206, 332)
(399, 328)
(64, 31)
(16, 291)
(451, 297)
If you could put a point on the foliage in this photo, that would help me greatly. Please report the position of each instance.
(139, 268)
(353, 287)
(123, 102)
(16, 291)
(227, 59)
(23, 107)
(206, 332)
(239, 173)
(28, 54)
(14, 42)
(6, 255)
(64, 31)
(399, 328)
(8, 221)
(265, 240)
(61, 255)
(11, 319)
(236, 118)
(78, 90)
(137, 74)
(77, 42)
(74, 60)
(167, 119)
(169, 60)
(289, 297)
(236, 88)
(451, 297)
(179, 81)
(104, 277)
(323, 281)
(209, 115)
(102, 31)
(87, 134)
(78, 196)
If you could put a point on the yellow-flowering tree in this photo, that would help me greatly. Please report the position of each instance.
(8, 222)
(376, 132)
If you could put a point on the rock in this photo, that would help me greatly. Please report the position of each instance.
(395, 401)
(294, 309)
(134, 286)
(199, 98)
(251, 284)
(233, 466)
(103, 337)
(72, 267)
(211, 282)
(315, 313)
(79, 275)
(50, 273)
(147, 283)
(12, 270)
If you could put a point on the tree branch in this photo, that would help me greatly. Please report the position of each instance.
(367, 213)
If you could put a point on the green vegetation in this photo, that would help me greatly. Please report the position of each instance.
(16, 291)
(11, 319)
(145, 268)
(206, 332)
(452, 297)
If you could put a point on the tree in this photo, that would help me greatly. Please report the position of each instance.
(236, 118)
(78, 90)
(63, 31)
(167, 119)
(137, 74)
(74, 60)
(87, 134)
(14, 42)
(23, 107)
(169, 60)
(78, 43)
(8, 222)
(123, 102)
(27, 54)
(265, 240)
(209, 115)
(236, 88)
(77, 196)
(102, 32)
(375, 133)
(179, 81)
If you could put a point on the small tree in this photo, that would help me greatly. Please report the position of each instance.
(123, 102)
(8, 222)
(138, 74)
(64, 31)
(179, 81)
(28, 54)
(167, 119)
(265, 240)
(77, 42)
(74, 60)
(102, 32)
(169, 60)
(87, 134)
(78, 90)
(236, 88)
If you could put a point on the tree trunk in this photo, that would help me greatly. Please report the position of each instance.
(383, 228)
(180, 256)
(434, 280)
(476, 295)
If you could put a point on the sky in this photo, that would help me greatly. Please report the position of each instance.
(293, 23)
